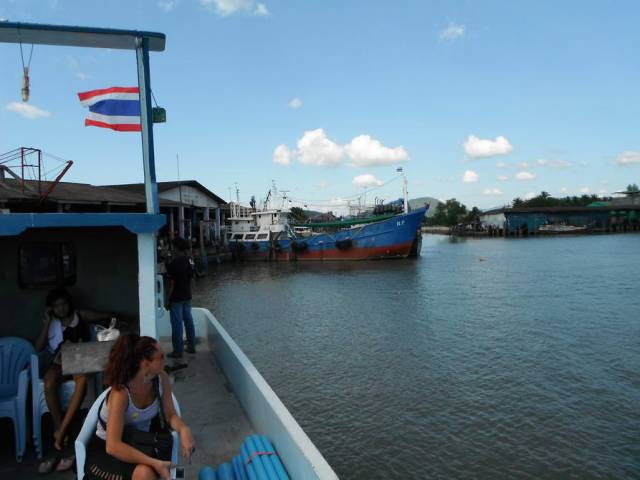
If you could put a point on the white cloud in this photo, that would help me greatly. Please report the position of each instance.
(525, 176)
(558, 163)
(282, 155)
(27, 111)
(470, 176)
(563, 190)
(295, 103)
(322, 184)
(492, 191)
(452, 32)
(503, 178)
(229, 7)
(501, 165)
(366, 180)
(478, 148)
(585, 190)
(82, 76)
(530, 195)
(168, 5)
(627, 158)
(602, 191)
(314, 148)
(365, 151)
(261, 10)
(524, 165)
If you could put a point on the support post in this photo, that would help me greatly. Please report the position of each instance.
(147, 251)
(147, 284)
(171, 224)
(217, 233)
(207, 231)
(181, 221)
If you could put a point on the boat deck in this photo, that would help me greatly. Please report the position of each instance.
(208, 407)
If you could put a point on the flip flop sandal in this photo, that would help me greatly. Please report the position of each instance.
(48, 465)
(65, 463)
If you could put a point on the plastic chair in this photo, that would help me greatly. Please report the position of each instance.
(39, 402)
(14, 383)
(89, 429)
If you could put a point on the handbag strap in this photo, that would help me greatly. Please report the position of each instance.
(156, 389)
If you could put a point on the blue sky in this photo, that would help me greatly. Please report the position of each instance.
(481, 101)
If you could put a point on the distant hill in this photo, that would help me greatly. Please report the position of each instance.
(419, 202)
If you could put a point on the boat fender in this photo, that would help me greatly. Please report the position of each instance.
(255, 246)
(345, 244)
(277, 247)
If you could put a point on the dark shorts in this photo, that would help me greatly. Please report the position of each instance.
(100, 465)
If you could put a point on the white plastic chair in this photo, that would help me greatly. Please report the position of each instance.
(89, 429)
(14, 384)
(39, 403)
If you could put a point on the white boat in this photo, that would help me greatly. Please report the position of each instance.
(557, 228)
(108, 262)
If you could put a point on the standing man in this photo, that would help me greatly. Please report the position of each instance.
(180, 275)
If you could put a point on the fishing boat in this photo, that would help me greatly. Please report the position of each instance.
(268, 235)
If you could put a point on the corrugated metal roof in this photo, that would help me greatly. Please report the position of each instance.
(165, 186)
(69, 192)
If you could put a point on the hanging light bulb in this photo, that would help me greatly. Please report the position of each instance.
(25, 85)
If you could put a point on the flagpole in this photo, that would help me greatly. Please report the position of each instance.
(146, 121)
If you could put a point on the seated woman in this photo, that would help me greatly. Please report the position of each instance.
(140, 400)
(62, 323)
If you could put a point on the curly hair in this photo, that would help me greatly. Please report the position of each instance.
(125, 358)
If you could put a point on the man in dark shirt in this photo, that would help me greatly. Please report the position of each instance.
(180, 274)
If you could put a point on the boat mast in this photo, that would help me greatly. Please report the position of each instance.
(405, 192)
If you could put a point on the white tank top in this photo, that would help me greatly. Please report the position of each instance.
(139, 418)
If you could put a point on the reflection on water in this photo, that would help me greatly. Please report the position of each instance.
(490, 358)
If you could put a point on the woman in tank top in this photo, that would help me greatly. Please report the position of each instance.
(135, 365)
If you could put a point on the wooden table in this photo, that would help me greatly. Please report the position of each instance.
(85, 357)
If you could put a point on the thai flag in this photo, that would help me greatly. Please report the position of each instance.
(117, 108)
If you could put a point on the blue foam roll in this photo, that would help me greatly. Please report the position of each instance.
(251, 472)
(256, 461)
(266, 459)
(225, 472)
(207, 473)
(238, 468)
(277, 464)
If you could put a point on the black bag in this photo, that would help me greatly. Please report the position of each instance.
(158, 441)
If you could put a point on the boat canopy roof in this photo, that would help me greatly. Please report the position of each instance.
(16, 32)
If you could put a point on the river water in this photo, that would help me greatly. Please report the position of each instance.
(483, 358)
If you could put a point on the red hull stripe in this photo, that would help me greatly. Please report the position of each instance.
(401, 250)
(102, 91)
(120, 127)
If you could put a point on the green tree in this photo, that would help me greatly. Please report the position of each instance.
(449, 213)
(633, 188)
(297, 215)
